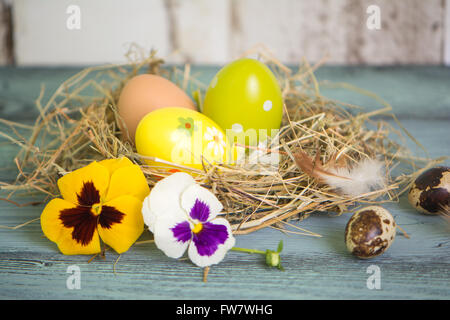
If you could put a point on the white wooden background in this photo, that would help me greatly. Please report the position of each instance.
(35, 32)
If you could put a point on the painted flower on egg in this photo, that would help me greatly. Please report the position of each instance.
(215, 140)
(184, 216)
(187, 126)
(102, 200)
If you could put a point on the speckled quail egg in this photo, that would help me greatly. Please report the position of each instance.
(430, 192)
(369, 232)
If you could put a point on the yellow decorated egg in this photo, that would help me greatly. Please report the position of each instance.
(244, 99)
(175, 135)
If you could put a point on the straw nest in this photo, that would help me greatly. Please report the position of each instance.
(79, 124)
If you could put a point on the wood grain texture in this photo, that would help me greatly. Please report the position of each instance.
(6, 25)
(200, 31)
(416, 268)
(214, 32)
(411, 31)
(107, 29)
(3, 31)
(447, 33)
(31, 267)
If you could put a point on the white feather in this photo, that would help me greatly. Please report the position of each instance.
(366, 176)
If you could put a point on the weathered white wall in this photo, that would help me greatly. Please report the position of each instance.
(5, 41)
(411, 31)
(215, 31)
(447, 34)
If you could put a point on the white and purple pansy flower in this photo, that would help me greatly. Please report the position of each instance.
(184, 216)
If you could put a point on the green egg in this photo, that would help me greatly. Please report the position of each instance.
(244, 99)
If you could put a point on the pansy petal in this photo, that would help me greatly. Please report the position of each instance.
(166, 194)
(195, 194)
(211, 244)
(128, 180)
(50, 223)
(54, 230)
(68, 246)
(148, 215)
(172, 235)
(93, 175)
(114, 164)
(121, 223)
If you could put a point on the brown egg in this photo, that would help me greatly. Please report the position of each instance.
(430, 193)
(369, 232)
(143, 94)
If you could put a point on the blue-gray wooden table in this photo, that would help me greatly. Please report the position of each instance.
(31, 267)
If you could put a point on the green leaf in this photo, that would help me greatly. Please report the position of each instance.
(280, 246)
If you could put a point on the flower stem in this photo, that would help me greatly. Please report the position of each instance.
(248, 250)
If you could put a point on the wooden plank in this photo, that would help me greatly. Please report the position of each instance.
(200, 31)
(181, 31)
(411, 31)
(211, 32)
(291, 29)
(107, 29)
(316, 268)
(21, 86)
(31, 267)
(6, 43)
(447, 34)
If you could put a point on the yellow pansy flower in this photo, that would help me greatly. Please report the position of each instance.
(102, 200)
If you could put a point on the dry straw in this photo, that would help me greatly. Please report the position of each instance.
(78, 124)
